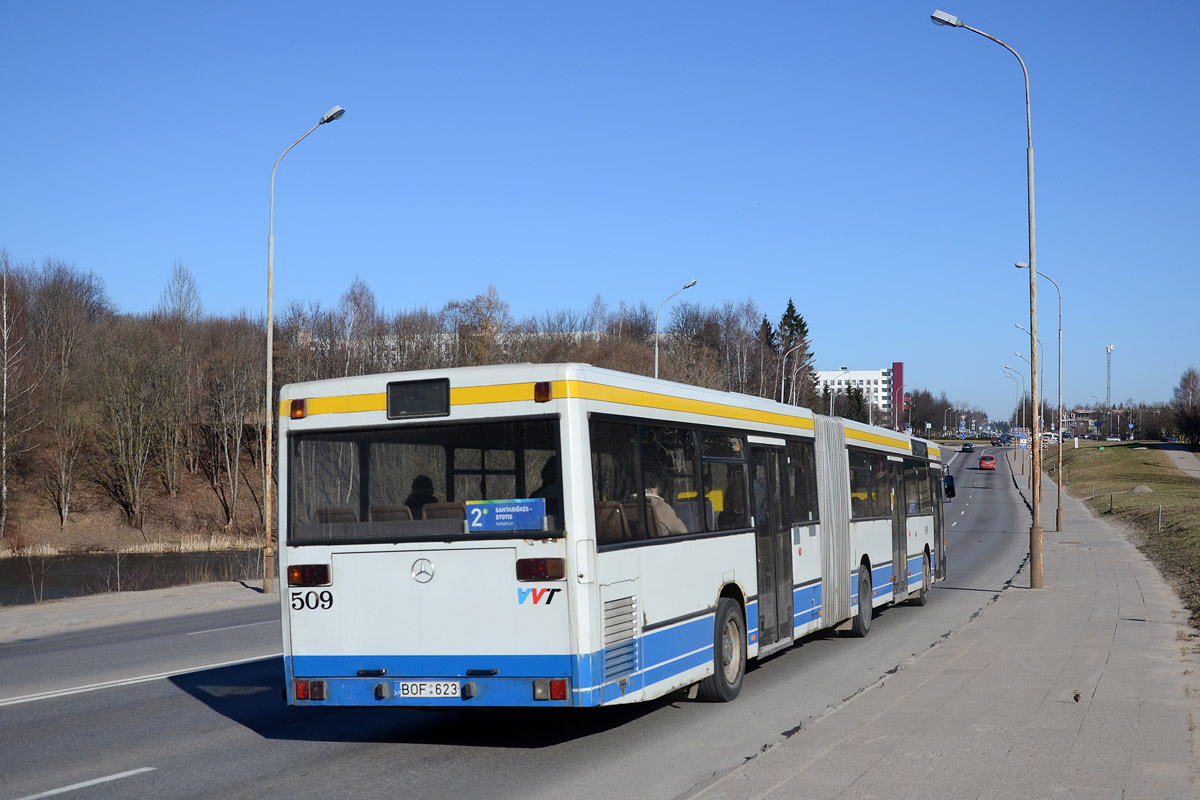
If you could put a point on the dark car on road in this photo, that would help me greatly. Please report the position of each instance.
(968, 447)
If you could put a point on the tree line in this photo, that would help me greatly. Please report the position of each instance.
(132, 405)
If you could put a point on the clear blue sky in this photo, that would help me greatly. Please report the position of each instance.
(852, 156)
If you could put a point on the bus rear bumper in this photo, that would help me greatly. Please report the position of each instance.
(476, 692)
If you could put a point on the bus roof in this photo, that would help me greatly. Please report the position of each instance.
(509, 389)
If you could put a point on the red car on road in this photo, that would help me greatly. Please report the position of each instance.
(987, 462)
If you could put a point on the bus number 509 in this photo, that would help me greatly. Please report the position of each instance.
(312, 600)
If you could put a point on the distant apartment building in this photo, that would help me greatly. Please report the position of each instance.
(883, 389)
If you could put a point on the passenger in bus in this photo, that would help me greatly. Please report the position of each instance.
(551, 490)
(422, 493)
(668, 522)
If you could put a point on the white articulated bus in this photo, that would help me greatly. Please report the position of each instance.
(562, 535)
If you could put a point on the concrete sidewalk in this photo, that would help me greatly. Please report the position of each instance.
(1087, 688)
(1187, 461)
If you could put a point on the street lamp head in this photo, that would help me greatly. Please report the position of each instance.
(942, 18)
(690, 284)
(1021, 265)
(334, 113)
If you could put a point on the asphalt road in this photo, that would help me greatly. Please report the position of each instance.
(191, 706)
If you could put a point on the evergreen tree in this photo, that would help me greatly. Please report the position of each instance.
(768, 348)
(801, 378)
(856, 405)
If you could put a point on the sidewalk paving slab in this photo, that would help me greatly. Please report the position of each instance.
(1086, 688)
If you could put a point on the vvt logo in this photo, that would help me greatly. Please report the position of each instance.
(537, 595)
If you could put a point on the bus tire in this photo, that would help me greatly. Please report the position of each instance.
(729, 655)
(862, 620)
(922, 597)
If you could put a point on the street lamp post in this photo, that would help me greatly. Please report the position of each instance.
(268, 544)
(1058, 515)
(687, 285)
(1033, 406)
(1019, 379)
(1035, 526)
(783, 368)
(840, 374)
(1020, 376)
(1016, 387)
(1042, 345)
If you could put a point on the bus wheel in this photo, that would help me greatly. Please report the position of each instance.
(927, 574)
(862, 620)
(729, 655)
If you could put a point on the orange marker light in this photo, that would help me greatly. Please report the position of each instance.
(299, 409)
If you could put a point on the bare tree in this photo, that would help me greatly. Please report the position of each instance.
(419, 341)
(133, 400)
(179, 313)
(66, 307)
(1186, 406)
(232, 402)
(19, 376)
(479, 323)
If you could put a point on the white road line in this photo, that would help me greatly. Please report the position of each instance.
(235, 627)
(952, 524)
(93, 687)
(86, 784)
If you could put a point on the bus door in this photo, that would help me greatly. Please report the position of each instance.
(773, 537)
(939, 522)
(899, 530)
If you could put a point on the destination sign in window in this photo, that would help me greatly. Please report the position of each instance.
(506, 515)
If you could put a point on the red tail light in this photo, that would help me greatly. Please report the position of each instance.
(541, 569)
(310, 690)
(308, 575)
(550, 689)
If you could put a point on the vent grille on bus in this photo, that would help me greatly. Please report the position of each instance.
(620, 637)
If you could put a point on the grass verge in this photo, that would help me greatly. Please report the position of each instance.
(1164, 522)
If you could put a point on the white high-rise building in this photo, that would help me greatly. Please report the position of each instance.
(877, 386)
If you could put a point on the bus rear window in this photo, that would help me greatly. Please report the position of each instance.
(424, 482)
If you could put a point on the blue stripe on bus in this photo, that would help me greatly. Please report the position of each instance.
(664, 654)
(413, 667)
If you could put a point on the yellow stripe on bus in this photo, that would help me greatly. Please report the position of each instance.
(875, 438)
(636, 397)
(518, 392)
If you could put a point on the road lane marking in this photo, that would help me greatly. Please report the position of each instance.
(86, 784)
(94, 687)
(235, 627)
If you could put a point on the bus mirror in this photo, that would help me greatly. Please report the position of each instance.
(949, 483)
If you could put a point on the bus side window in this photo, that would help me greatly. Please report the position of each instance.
(611, 527)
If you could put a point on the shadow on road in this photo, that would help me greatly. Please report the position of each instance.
(251, 695)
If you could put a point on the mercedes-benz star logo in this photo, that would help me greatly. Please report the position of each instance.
(422, 570)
